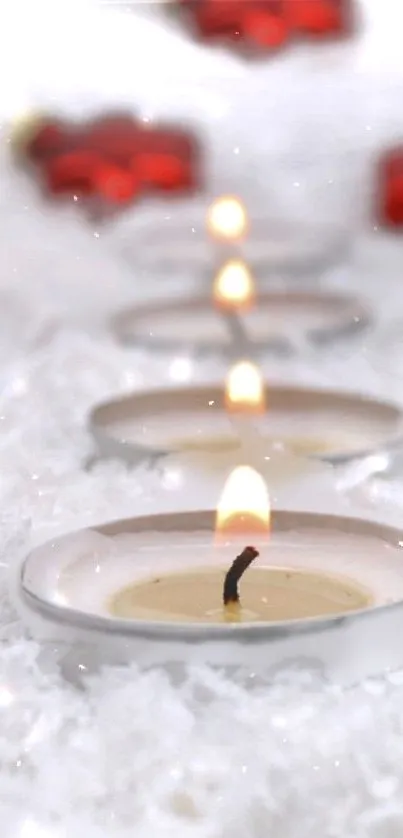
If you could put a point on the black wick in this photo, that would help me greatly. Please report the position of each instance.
(236, 571)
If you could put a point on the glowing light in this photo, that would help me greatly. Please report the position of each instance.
(244, 389)
(227, 219)
(233, 287)
(244, 506)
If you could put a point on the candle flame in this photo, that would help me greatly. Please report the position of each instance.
(226, 218)
(234, 287)
(244, 506)
(244, 389)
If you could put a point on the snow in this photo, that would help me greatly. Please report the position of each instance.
(196, 754)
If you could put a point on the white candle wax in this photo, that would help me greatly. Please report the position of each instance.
(266, 595)
(65, 589)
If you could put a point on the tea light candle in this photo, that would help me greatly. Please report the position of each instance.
(221, 580)
(150, 589)
(194, 421)
(270, 594)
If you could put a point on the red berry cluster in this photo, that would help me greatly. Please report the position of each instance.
(114, 159)
(262, 25)
(390, 189)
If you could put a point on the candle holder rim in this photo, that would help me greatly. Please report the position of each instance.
(177, 399)
(354, 316)
(200, 632)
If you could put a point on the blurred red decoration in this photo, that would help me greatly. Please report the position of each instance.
(48, 139)
(215, 18)
(320, 18)
(261, 26)
(115, 159)
(390, 189)
(72, 172)
(265, 24)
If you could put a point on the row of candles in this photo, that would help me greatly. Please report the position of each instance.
(271, 591)
(166, 583)
(244, 506)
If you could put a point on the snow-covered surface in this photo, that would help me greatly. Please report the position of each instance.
(198, 755)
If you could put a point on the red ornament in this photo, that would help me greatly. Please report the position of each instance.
(265, 27)
(164, 172)
(115, 184)
(167, 159)
(115, 137)
(320, 18)
(260, 23)
(114, 158)
(390, 197)
(50, 138)
(73, 173)
(167, 140)
(217, 18)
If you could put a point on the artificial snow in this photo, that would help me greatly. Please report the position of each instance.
(123, 752)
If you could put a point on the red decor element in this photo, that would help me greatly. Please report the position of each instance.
(115, 184)
(113, 136)
(217, 18)
(266, 29)
(164, 172)
(256, 23)
(115, 159)
(266, 25)
(390, 198)
(50, 138)
(72, 173)
(165, 160)
(320, 18)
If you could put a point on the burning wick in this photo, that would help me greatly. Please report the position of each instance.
(244, 508)
(235, 573)
(233, 293)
